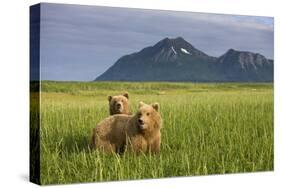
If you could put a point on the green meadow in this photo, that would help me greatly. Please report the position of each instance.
(208, 128)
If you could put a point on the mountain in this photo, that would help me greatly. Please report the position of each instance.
(245, 66)
(178, 60)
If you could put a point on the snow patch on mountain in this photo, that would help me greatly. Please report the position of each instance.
(185, 51)
(174, 50)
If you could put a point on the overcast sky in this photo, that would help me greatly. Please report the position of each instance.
(81, 42)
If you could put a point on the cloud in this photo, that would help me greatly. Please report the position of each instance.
(81, 42)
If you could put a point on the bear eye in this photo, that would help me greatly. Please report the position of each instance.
(147, 114)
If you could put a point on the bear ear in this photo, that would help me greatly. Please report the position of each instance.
(126, 95)
(155, 106)
(109, 98)
(141, 104)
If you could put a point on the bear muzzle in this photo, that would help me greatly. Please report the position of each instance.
(141, 125)
(119, 107)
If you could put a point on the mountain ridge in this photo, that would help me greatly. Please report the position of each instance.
(178, 60)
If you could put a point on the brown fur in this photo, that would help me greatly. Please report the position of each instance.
(137, 133)
(119, 104)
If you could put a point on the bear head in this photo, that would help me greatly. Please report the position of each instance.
(148, 117)
(119, 104)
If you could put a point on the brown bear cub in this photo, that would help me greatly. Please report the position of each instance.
(119, 104)
(137, 133)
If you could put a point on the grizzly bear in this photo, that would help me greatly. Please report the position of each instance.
(137, 133)
(119, 104)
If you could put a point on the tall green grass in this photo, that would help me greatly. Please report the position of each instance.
(208, 129)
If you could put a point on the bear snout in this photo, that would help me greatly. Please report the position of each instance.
(140, 121)
(118, 105)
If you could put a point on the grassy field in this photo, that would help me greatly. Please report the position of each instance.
(208, 129)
